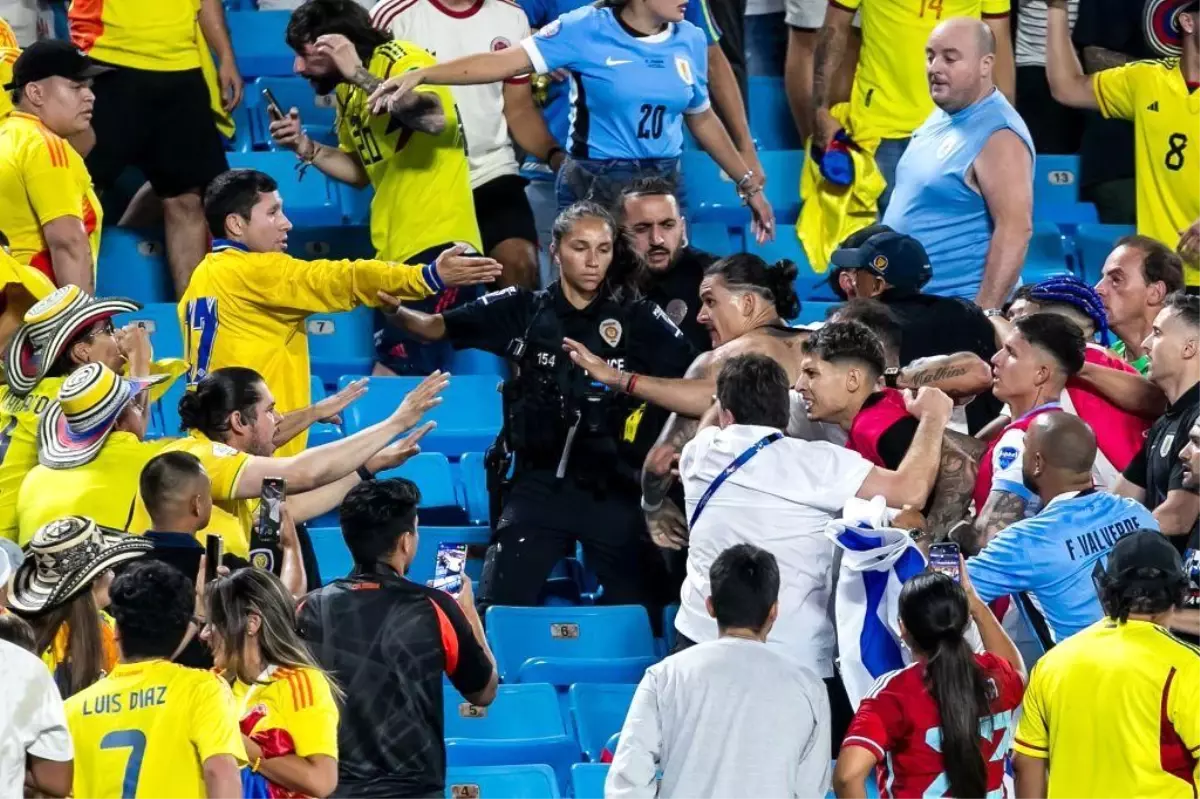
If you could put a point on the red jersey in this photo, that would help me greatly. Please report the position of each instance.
(1001, 464)
(875, 419)
(1119, 434)
(900, 724)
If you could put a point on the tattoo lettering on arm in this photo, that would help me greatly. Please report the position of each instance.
(955, 484)
(365, 80)
(1002, 509)
(928, 377)
(1096, 59)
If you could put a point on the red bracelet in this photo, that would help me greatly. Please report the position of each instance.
(632, 382)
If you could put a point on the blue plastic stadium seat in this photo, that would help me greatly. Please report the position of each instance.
(668, 626)
(711, 195)
(259, 43)
(317, 113)
(523, 725)
(1094, 243)
(161, 321)
(330, 550)
(561, 634)
(243, 130)
(473, 479)
(1050, 253)
(809, 284)
(133, 264)
(812, 311)
(587, 780)
(477, 362)
(321, 432)
(501, 782)
(1056, 180)
(714, 238)
(783, 182)
(356, 204)
(468, 418)
(599, 711)
(341, 344)
(1066, 214)
(432, 474)
(422, 568)
(312, 202)
(333, 243)
(771, 121)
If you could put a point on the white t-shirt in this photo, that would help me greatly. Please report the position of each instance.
(487, 26)
(780, 500)
(727, 718)
(31, 717)
(31, 20)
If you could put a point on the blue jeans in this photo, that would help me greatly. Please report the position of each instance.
(603, 181)
(766, 44)
(887, 156)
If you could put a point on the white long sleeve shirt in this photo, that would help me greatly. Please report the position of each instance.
(727, 718)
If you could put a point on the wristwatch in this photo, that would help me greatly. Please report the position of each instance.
(891, 377)
(993, 312)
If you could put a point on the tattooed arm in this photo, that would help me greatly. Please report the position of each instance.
(962, 374)
(1096, 59)
(1000, 510)
(419, 110)
(827, 60)
(955, 482)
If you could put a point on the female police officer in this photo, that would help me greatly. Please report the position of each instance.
(576, 466)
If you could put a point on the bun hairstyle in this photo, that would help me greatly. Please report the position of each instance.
(935, 613)
(775, 282)
(219, 394)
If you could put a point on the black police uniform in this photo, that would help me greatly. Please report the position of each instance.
(574, 443)
(677, 292)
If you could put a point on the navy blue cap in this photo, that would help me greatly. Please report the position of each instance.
(898, 259)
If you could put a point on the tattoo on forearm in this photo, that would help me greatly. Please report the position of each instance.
(678, 431)
(363, 79)
(933, 375)
(827, 58)
(1098, 58)
(1000, 511)
(955, 484)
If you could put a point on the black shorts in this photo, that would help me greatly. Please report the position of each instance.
(503, 211)
(159, 122)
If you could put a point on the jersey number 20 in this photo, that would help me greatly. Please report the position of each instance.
(650, 126)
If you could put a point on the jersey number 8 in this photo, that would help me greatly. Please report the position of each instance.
(650, 126)
(1176, 143)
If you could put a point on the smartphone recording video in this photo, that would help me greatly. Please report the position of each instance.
(448, 570)
(944, 558)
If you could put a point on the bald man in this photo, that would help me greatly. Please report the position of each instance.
(964, 186)
(1051, 555)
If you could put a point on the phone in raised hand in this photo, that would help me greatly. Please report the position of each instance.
(448, 569)
(945, 558)
(274, 110)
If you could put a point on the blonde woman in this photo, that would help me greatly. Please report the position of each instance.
(289, 717)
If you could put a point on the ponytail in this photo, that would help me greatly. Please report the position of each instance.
(208, 406)
(935, 613)
(781, 280)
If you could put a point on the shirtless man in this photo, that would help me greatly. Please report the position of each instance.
(743, 303)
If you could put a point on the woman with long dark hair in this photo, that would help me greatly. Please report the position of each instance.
(289, 718)
(943, 725)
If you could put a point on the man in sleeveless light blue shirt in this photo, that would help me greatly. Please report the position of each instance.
(1052, 555)
(964, 186)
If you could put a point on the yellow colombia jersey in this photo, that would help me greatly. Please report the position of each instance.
(18, 444)
(146, 730)
(289, 712)
(103, 490)
(231, 518)
(1116, 709)
(422, 184)
(249, 309)
(8, 56)
(8, 39)
(42, 178)
(1166, 122)
(890, 97)
(158, 35)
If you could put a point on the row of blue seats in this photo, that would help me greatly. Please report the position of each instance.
(523, 782)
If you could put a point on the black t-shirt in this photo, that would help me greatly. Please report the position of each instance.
(1157, 468)
(1106, 152)
(677, 292)
(932, 325)
(635, 336)
(387, 641)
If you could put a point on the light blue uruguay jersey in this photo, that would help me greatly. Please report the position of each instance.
(1052, 555)
(542, 12)
(627, 93)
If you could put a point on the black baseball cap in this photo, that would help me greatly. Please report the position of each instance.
(52, 58)
(1144, 549)
(895, 257)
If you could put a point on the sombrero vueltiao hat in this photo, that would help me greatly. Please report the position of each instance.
(72, 431)
(50, 327)
(63, 559)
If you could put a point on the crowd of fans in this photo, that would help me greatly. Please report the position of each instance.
(946, 540)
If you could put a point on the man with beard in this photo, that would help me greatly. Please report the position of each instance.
(1051, 555)
(668, 270)
(414, 157)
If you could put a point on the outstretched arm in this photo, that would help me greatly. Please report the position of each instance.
(1068, 84)
(955, 482)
